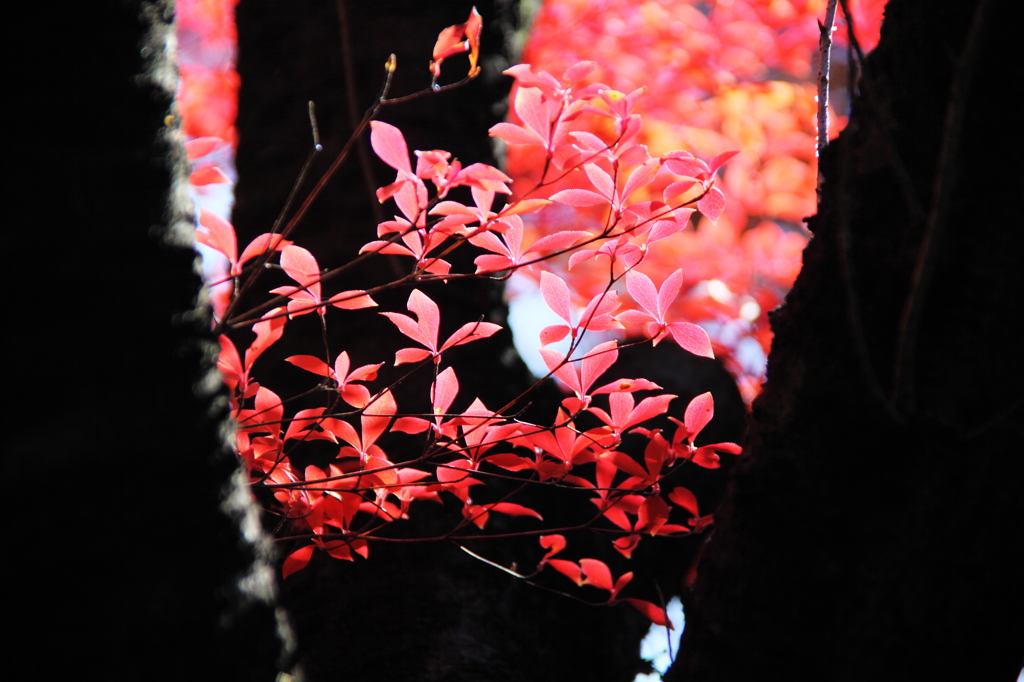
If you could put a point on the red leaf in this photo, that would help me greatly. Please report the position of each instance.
(474, 26)
(201, 146)
(524, 206)
(640, 177)
(720, 159)
(376, 417)
(554, 544)
(407, 355)
(712, 204)
(598, 574)
(626, 544)
(211, 175)
(219, 235)
(263, 243)
(652, 611)
(410, 425)
(676, 189)
(450, 42)
(626, 464)
(653, 514)
(389, 144)
(685, 499)
(302, 420)
(559, 241)
(513, 509)
(569, 569)
(351, 300)
(300, 265)
(692, 338)
(310, 364)
(424, 328)
(513, 134)
(706, 457)
(444, 390)
(553, 334)
(578, 197)
(601, 180)
(626, 385)
(698, 413)
(556, 295)
(297, 560)
(471, 331)
(454, 471)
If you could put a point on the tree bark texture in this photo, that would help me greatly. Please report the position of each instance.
(122, 564)
(874, 527)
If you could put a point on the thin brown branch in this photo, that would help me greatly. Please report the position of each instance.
(824, 69)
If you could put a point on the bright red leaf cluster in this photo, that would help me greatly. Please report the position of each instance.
(581, 155)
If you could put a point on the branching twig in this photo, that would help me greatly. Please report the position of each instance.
(824, 68)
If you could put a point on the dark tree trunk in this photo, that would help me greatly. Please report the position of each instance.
(875, 526)
(122, 563)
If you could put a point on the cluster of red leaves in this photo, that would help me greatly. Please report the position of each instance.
(738, 75)
(644, 200)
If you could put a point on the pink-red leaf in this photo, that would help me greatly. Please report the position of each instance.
(712, 204)
(513, 134)
(553, 334)
(353, 299)
(698, 413)
(556, 294)
(471, 331)
(300, 265)
(262, 244)
(201, 146)
(389, 144)
(578, 197)
(218, 235)
(559, 241)
(444, 390)
(693, 338)
(717, 161)
(211, 175)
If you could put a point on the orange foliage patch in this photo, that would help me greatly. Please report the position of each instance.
(737, 74)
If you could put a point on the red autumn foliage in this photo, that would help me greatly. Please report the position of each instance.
(588, 149)
(715, 77)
